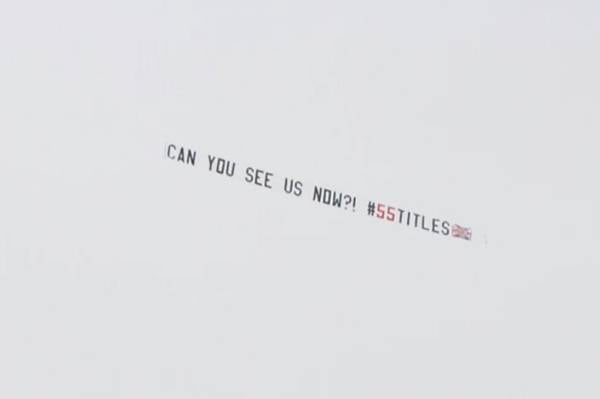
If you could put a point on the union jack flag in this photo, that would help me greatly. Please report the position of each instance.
(461, 232)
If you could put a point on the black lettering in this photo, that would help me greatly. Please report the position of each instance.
(337, 199)
(423, 224)
(258, 177)
(169, 148)
(268, 177)
(400, 215)
(211, 159)
(445, 228)
(220, 166)
(434, 226)
(191, 157)
(327, 196)
(230, 168)
(417, 216)
(288, 185)
(317, 194)
(291, 186)
(249, 174)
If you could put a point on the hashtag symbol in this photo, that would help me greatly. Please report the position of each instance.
(371, 209)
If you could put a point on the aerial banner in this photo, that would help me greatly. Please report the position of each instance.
(318, 194)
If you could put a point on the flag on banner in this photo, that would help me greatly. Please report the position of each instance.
(461, 232)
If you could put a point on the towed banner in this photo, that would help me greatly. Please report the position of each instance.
(319, 194)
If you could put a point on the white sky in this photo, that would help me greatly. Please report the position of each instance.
(124, 274)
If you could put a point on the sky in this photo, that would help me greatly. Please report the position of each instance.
(124, 273)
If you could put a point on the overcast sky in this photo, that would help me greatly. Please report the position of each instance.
(124, 274)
